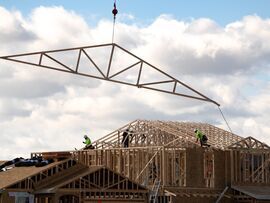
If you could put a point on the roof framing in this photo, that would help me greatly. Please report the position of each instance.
(32, 181)
(147, 133)
(249, 143)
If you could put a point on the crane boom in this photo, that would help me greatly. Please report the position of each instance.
(141, 79)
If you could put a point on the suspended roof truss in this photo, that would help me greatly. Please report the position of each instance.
(109, 62)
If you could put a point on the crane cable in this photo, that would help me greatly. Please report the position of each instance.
(225, 120)
(114, 12)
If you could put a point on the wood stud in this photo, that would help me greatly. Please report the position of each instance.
(161, 148)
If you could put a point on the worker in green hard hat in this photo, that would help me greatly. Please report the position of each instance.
(87, 142)
(202, 137)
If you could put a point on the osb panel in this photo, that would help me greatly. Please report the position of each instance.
(194, 168)
(228, 166)
(19, 173)
(220, 168)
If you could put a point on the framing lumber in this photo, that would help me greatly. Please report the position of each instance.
(38, 59)
(250, 167)
(249, 143)
(222, 194)
(157, 150)
(159, 133)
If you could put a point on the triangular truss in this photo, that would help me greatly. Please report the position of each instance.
(109, 62)
(143, 133)
(249, 143)
(102, 179)
(72, 175)
(146, 133)
(74, 178)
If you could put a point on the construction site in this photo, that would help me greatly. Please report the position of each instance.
(162, 163)
(143, 161)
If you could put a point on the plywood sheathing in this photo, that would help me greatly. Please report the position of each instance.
(195, 175)
(17, 174)
(221, 168)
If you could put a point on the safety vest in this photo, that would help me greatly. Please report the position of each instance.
(87, 141)
(199, 134)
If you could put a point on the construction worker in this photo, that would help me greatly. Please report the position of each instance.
(125, 139)
(88, 143)
(200, 136)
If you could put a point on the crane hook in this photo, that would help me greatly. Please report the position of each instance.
(114, 11)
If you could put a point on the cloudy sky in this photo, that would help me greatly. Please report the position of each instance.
(220, 49)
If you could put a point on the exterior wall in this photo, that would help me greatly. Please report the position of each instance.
(194, 167)
(167, 164)
(222, 168)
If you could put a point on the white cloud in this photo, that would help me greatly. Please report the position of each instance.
(56, 26)
(43, 110)
(201, 46)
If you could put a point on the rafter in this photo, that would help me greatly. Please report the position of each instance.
(160, 133)
(249, 143)
(155, 81)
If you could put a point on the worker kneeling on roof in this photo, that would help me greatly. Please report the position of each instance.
(200, 136)
(88, 143)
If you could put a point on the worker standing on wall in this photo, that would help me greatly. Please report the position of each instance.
(88, 143)
(202, 137)
(125, 138)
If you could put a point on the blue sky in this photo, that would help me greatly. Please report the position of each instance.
(223, 12)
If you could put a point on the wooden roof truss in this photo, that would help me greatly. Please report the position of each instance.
(31, 183)
(109, 62)
(93, 182)
(249, 143)
(160, 133)
(105, 183)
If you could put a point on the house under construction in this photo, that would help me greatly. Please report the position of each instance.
(157, 162)
(161, 163)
